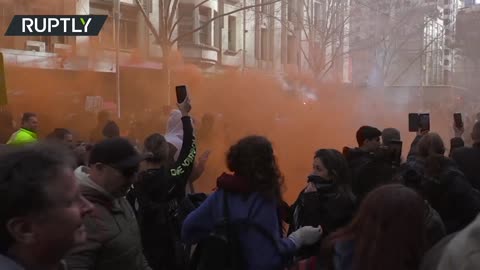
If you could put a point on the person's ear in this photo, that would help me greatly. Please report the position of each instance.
(21, 230)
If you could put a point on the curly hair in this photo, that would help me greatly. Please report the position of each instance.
(252, 157)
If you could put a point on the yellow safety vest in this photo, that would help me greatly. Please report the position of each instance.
(22, 137)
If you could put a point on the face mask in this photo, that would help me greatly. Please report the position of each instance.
(316, 179)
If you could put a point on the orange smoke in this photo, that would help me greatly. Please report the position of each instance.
(244, 102)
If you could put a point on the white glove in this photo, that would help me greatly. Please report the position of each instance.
(305, 236)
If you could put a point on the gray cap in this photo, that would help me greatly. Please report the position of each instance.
(390, 134)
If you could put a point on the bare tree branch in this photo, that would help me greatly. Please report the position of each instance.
(221, 16)
(149, 23)
(173, 15)
(420, 54)
(172, 29)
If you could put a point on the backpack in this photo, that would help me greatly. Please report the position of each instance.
(222, 250)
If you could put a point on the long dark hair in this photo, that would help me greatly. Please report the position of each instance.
(337, 167)
(252, 158)
(388, 231)
(431, 144)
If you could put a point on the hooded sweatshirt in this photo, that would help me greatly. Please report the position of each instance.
(174, 134)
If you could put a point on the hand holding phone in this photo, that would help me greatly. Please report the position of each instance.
(458, 126)
(457, 118)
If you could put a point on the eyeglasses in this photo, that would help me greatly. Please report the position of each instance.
(126, 172)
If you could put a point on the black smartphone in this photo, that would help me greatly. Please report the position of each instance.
(457, 118)
(413, 122)
(424, 122)
(181, 93)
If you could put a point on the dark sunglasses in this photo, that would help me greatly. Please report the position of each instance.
(127, 172)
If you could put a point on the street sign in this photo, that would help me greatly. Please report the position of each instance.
(3, 83)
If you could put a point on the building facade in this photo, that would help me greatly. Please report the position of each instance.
(401, 43)
(467, 38)
(275, 36)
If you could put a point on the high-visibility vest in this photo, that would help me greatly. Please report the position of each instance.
(22, 137)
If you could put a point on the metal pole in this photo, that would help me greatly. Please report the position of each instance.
(244, 59)
(116, 13)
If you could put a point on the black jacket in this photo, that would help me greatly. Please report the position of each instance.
(455, 200)
(468, 160)
(328, 207)
(159, 192)
(435, 229)
(357, 160)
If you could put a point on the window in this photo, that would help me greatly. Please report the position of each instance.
(264, 44)
(291, 10)
(105, 37)
(291, 54)
(185, 26)
(205, 32)
(263, 8)
(128, 34)
(232, 33)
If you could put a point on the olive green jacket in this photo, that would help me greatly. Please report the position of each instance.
(113, 236)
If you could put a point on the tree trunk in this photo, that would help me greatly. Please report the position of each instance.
(166, 54)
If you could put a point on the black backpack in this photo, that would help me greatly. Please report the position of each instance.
(222, 250)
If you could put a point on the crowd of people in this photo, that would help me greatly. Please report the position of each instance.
(112, 203)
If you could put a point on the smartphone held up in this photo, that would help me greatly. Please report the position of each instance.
(181, 91)
(418, 122)
(457, 119)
